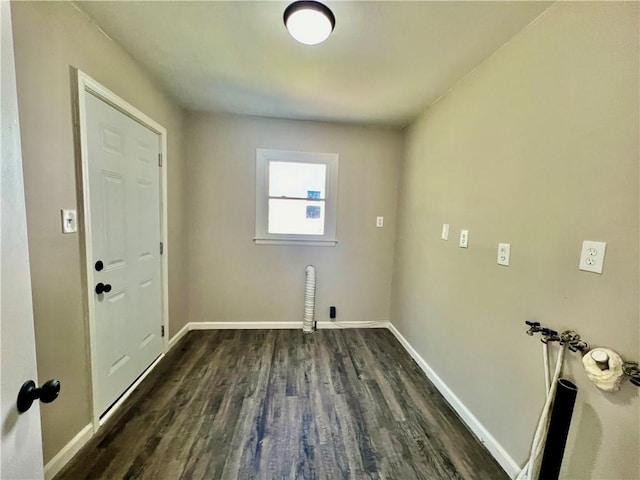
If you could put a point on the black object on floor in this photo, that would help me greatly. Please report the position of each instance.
(559, 424)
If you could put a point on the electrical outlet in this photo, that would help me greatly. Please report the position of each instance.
(592, 256)
(504, 254)
(464, 239)
(379, 222)
(445, 231)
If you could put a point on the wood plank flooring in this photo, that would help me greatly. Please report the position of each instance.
(277, 404)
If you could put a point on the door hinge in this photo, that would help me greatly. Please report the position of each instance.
(161, 248)
(159, 159)
(162, 330)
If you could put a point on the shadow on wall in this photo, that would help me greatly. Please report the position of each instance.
(588, 439)
(9, 423)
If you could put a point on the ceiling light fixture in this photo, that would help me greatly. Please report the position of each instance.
(309, 22)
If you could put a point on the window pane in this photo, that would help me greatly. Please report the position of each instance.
(300, 217)
(301, 180)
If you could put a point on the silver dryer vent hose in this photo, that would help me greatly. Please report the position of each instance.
(308, 325)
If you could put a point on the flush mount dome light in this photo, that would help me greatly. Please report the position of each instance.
(309, 22)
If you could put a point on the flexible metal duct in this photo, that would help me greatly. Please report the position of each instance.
(308, 324)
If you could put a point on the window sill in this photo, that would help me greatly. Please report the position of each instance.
(297, 243)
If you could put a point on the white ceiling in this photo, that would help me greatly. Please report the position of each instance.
(383, 65)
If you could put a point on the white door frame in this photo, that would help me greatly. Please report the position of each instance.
(87, 84)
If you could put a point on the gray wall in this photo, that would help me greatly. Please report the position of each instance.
(50, 37)
(539, 148)
(232, 279)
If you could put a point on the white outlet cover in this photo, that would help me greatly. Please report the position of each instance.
(445, 231)
(464, 239)
(592, 256)
(504, 254)
(379, 222)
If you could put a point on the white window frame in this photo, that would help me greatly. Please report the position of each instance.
(263, 237)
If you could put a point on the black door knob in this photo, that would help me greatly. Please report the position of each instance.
(103, 288)
(99, 265)
(29, 393)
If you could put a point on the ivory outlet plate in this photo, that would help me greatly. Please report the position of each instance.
(445, 231)
(504, 254)
(464, 239)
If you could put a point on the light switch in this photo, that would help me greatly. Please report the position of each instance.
(445, 231)
(504, 253)
(592, 256)
(379, 222)
(464, 239)
(69, 221)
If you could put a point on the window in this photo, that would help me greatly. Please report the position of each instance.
(296, 198)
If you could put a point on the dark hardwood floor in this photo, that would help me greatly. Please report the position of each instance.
(277, 404)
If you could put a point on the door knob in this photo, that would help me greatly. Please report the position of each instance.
(103, 288)
(29, 393)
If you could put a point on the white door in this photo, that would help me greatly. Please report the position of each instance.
(21, 441)
(124, 204)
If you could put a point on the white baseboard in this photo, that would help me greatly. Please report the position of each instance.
(277, 325)
(498, 452)
(67, 452)
(329, 324)
(178, 336)
(243, 325)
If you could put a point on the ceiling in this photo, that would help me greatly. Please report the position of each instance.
(383, 65)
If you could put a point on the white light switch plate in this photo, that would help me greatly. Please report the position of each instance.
(592, 256)
(464, 239)
(504, 254)
(445, 231)
(69, 221)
